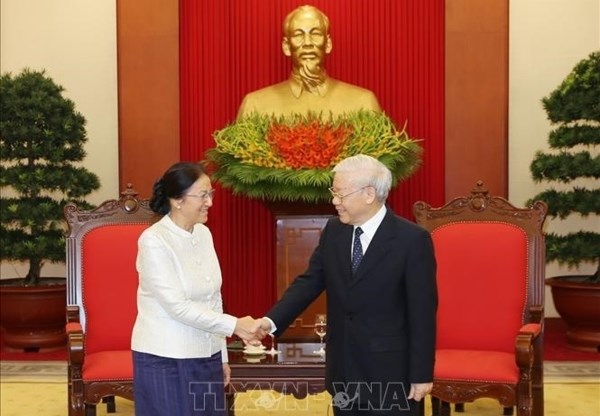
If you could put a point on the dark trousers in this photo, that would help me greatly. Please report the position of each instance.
(357, 411)
(170, 386)
(364, 399)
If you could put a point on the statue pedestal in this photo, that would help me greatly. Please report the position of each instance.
(298, 227)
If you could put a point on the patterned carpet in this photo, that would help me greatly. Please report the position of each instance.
(39, 388)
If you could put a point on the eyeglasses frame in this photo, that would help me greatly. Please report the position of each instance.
(341, 197)
(204, 195)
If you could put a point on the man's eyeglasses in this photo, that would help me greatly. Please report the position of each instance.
(204, 195)
(341, 197)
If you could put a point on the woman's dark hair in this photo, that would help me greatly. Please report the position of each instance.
(174, 183)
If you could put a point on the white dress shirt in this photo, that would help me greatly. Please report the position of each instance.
(369, 228)
(180, 310)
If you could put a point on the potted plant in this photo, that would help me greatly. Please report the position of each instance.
(574, 108)
(41, 138)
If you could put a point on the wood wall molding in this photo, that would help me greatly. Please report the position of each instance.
(476, 86)
(148, 85)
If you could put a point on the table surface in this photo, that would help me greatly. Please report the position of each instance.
(295, 370)
(288, 353)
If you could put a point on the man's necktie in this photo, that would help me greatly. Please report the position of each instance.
(357, 251)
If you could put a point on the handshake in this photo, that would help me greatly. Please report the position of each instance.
(251, 330)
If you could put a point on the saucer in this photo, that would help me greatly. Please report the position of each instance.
(254, 358)
(254, 352)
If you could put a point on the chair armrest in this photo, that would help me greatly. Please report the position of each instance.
(525, 344)
(74, 343)
(72, 313)
(531, 329)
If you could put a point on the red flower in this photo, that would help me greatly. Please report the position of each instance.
(310, 145)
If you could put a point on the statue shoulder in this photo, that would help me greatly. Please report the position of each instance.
(362, 97)
(265, 100)
(336, 84)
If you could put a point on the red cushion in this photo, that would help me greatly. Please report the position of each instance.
(108, 365)
(109, 286)
(467, 365)
(482, 285)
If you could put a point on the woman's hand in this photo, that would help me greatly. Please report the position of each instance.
(226, 374)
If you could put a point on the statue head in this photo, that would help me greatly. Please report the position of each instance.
(306, 40)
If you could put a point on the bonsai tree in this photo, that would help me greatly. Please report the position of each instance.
(41, 138)
(574, 108)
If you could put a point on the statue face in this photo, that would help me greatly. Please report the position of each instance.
(307, 41)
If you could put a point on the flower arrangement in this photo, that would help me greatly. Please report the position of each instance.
(289, 158)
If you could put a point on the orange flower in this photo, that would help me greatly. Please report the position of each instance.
(308, 145)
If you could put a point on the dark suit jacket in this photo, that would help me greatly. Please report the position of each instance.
(381, 321)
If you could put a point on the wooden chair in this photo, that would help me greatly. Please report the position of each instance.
(101, 299)
(491, 264)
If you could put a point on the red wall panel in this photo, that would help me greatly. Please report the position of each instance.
(229, 48)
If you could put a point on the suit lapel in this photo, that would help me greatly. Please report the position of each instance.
(343, 244)
(382, 242)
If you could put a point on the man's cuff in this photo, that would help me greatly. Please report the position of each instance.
(273, 326)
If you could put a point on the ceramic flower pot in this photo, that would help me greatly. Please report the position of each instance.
(578, 304)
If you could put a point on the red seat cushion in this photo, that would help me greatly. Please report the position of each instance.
(108, 365)
(467, 365)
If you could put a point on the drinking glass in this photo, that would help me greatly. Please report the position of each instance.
(321, 331)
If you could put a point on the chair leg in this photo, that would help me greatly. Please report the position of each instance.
(90, 410)
(445, 409)
(459, 407)
(230, 402)
(111, 406)
(435, 406)
(508, 411)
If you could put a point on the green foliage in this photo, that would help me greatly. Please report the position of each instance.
(246, 163)
(41, 138)
(571, 248)
(575, 106)
(569, 136)
(565, 167)
(563, 203)
(576, 98)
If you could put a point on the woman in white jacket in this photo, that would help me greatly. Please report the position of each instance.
(178, 340)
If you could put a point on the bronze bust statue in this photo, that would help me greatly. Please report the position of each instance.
(306, 40)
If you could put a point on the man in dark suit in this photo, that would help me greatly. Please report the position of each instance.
(381, 297)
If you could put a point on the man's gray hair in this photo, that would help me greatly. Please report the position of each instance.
(371, 173)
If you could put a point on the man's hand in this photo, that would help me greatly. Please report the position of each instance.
(419, 391)
(249, 329)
